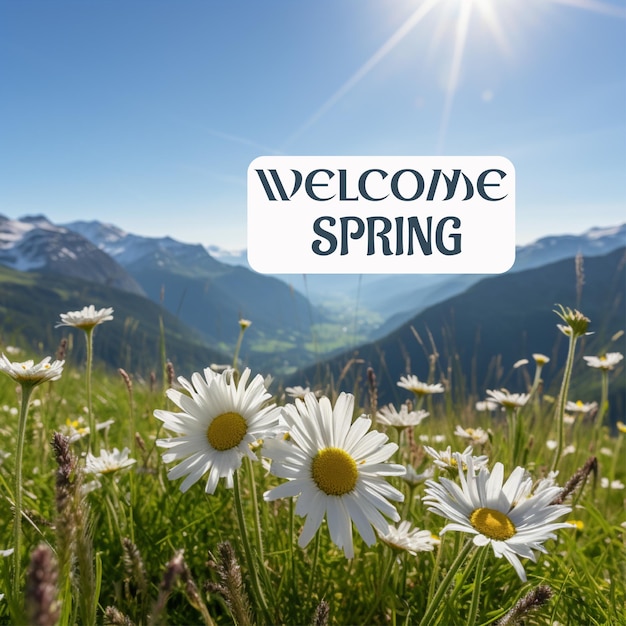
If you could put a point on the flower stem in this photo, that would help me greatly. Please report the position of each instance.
(242, 330)
(27, 391)
(382, 582)
(604, 405)
(316, 552)
(478, 579)
(435, 604)
(247, 548)
(90, 415)
(560, 410)
(255, 508)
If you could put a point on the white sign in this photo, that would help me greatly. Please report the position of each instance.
(381, 214)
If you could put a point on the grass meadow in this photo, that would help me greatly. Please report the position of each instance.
(114, 540)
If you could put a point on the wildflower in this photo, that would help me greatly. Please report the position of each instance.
(604, 362)
(519, 363)
(87, 318)
(30, 375)
(389, 416)
(476, 436)
(7, 552)
(581, 407)
(621, 426)
(434, 438)
(546, 482)
(576, 323)
(576, 523)
(413, 478)
(337, 468)
(541, 359)
(76, 429)
(552, 445)
(299, 392)
(613, 484)
(508, 400)
(498, 514)
(220, 420)
(243, 323)
(412, 540)
(108, 462)
(446, 459)
(412, 383)
(486, 405)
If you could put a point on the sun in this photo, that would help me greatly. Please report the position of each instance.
(464, 13)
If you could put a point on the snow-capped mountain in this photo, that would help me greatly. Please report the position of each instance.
(207, 294)
(33, 243)
(135, 251)
(231, 257)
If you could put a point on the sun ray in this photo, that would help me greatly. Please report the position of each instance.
(489, 14)
(595, 6)
(415, 18)
(455, 69)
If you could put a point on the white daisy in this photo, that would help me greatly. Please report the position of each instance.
(108, 462)
(299, 392)
(605, 362)
(508, 400)
(411, 540)
(475, 436)
(541, 359)
(337, 469)
(389, 416)
(580, 407)
(413, 478)
(613, 484)
(413, 383)
(545, 482)
(221, 419)
(519, 363)
(77, 429)
(503, 515)
(87, 318)
(29, 374)
(486, 405)
(446, 459)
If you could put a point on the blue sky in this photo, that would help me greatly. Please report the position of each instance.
(147, 114)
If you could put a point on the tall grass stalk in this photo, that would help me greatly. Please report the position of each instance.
(435, 604)
(478, 580)
(604, 406)
(576, 327)
(257, 592)
(27, 391)
(562, 400)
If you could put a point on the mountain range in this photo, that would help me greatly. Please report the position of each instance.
(201, 298)
(204, 293)
(395, 298)
(476, 337)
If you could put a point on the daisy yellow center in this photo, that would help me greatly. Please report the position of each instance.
(226, 431)
(334, 471)
(493, 524)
